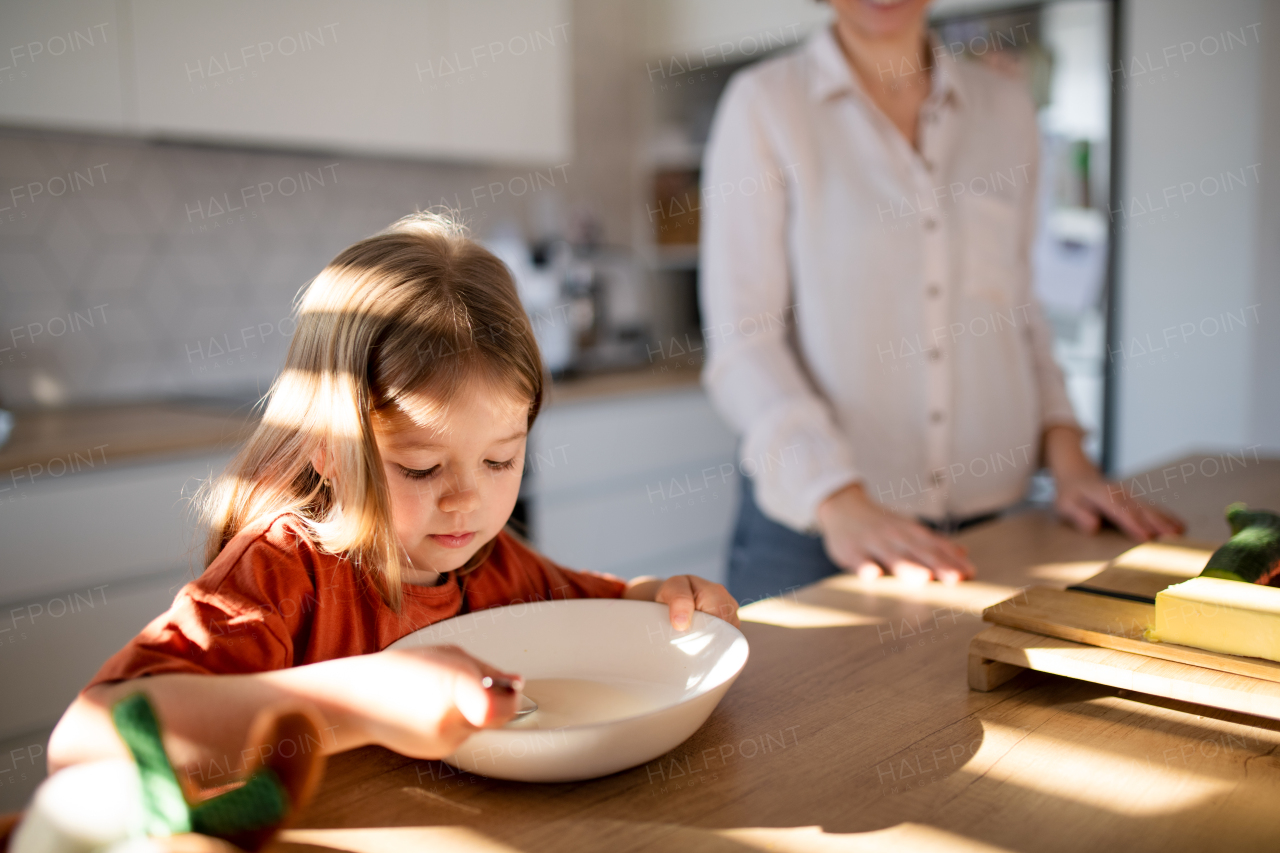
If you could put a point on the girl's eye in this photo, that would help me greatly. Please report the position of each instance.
(501, 466)
(418, 474)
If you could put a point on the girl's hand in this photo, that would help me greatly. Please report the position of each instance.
(862, 537)
(684, 594)
(424, 702)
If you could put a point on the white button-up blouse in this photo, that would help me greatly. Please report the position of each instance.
(868, 307)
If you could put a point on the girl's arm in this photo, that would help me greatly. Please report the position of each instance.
(422, 703)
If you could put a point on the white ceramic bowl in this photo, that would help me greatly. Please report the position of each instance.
(672, 680)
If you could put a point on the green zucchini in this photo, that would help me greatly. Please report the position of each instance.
(1252, 554)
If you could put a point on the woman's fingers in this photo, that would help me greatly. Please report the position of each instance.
(1127, 515)
(869, 540)
(1079, 514)
(912, 553)
(1086, 504)
(951, 576)
(1165, 523)
(869, 570)
(910, 571)
(947, 556)
(937, 553)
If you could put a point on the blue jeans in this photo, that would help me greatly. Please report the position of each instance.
(767, 558)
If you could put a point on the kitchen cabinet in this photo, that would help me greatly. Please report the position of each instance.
(89, 558)
(466, 80)
(643, 484)
(698, 33)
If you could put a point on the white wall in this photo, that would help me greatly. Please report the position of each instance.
(1188, 259)
(1265, 416)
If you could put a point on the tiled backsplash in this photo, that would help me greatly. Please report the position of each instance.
(134, 270)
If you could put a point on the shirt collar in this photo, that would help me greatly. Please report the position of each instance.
(946, 83)
(832, 75)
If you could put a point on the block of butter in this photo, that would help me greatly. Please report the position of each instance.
(1220, 615)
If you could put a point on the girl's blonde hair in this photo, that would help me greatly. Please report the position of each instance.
(398, 320)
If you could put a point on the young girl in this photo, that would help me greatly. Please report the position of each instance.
(370, 502)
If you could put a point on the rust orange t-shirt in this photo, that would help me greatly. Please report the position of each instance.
(271, 600)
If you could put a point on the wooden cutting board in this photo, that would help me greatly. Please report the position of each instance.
(999, 653)
(1111, 623)
(1094, 632)
(1139, 573)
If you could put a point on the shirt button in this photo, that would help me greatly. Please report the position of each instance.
(933, 291)
(936, 416)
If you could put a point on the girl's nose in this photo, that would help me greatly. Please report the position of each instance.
(462, 500)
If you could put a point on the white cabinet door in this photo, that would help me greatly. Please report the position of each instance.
(100, 527)
(634, 485)
(88, 559)
(468, 80)
(60, 65)
(459, 79)
(51, 646)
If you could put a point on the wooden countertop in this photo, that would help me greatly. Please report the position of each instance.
(63, 439)
(67, 439)
(663, 376)
(853, 728)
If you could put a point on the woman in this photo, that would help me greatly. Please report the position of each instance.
(869, 206)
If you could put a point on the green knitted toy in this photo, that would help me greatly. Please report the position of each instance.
(1252, 554)
(107, 806)
(260, 803)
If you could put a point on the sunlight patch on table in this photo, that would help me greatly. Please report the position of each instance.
(398, 839)
(1087, 775)
(1186, 559)
(1068, 573)
(790, 613)
(972, 596)
(914, 837)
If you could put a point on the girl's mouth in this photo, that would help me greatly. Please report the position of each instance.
(452, 540)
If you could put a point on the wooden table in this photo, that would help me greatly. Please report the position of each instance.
(853, 728)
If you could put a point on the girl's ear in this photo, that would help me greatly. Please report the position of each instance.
(321, 461)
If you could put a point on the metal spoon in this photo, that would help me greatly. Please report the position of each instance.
(527, 705)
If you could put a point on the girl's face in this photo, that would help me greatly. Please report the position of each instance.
(454, 487)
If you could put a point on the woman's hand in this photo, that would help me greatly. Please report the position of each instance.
(684, 594)
(423, 702)
(1085, 499)
(863, 537)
